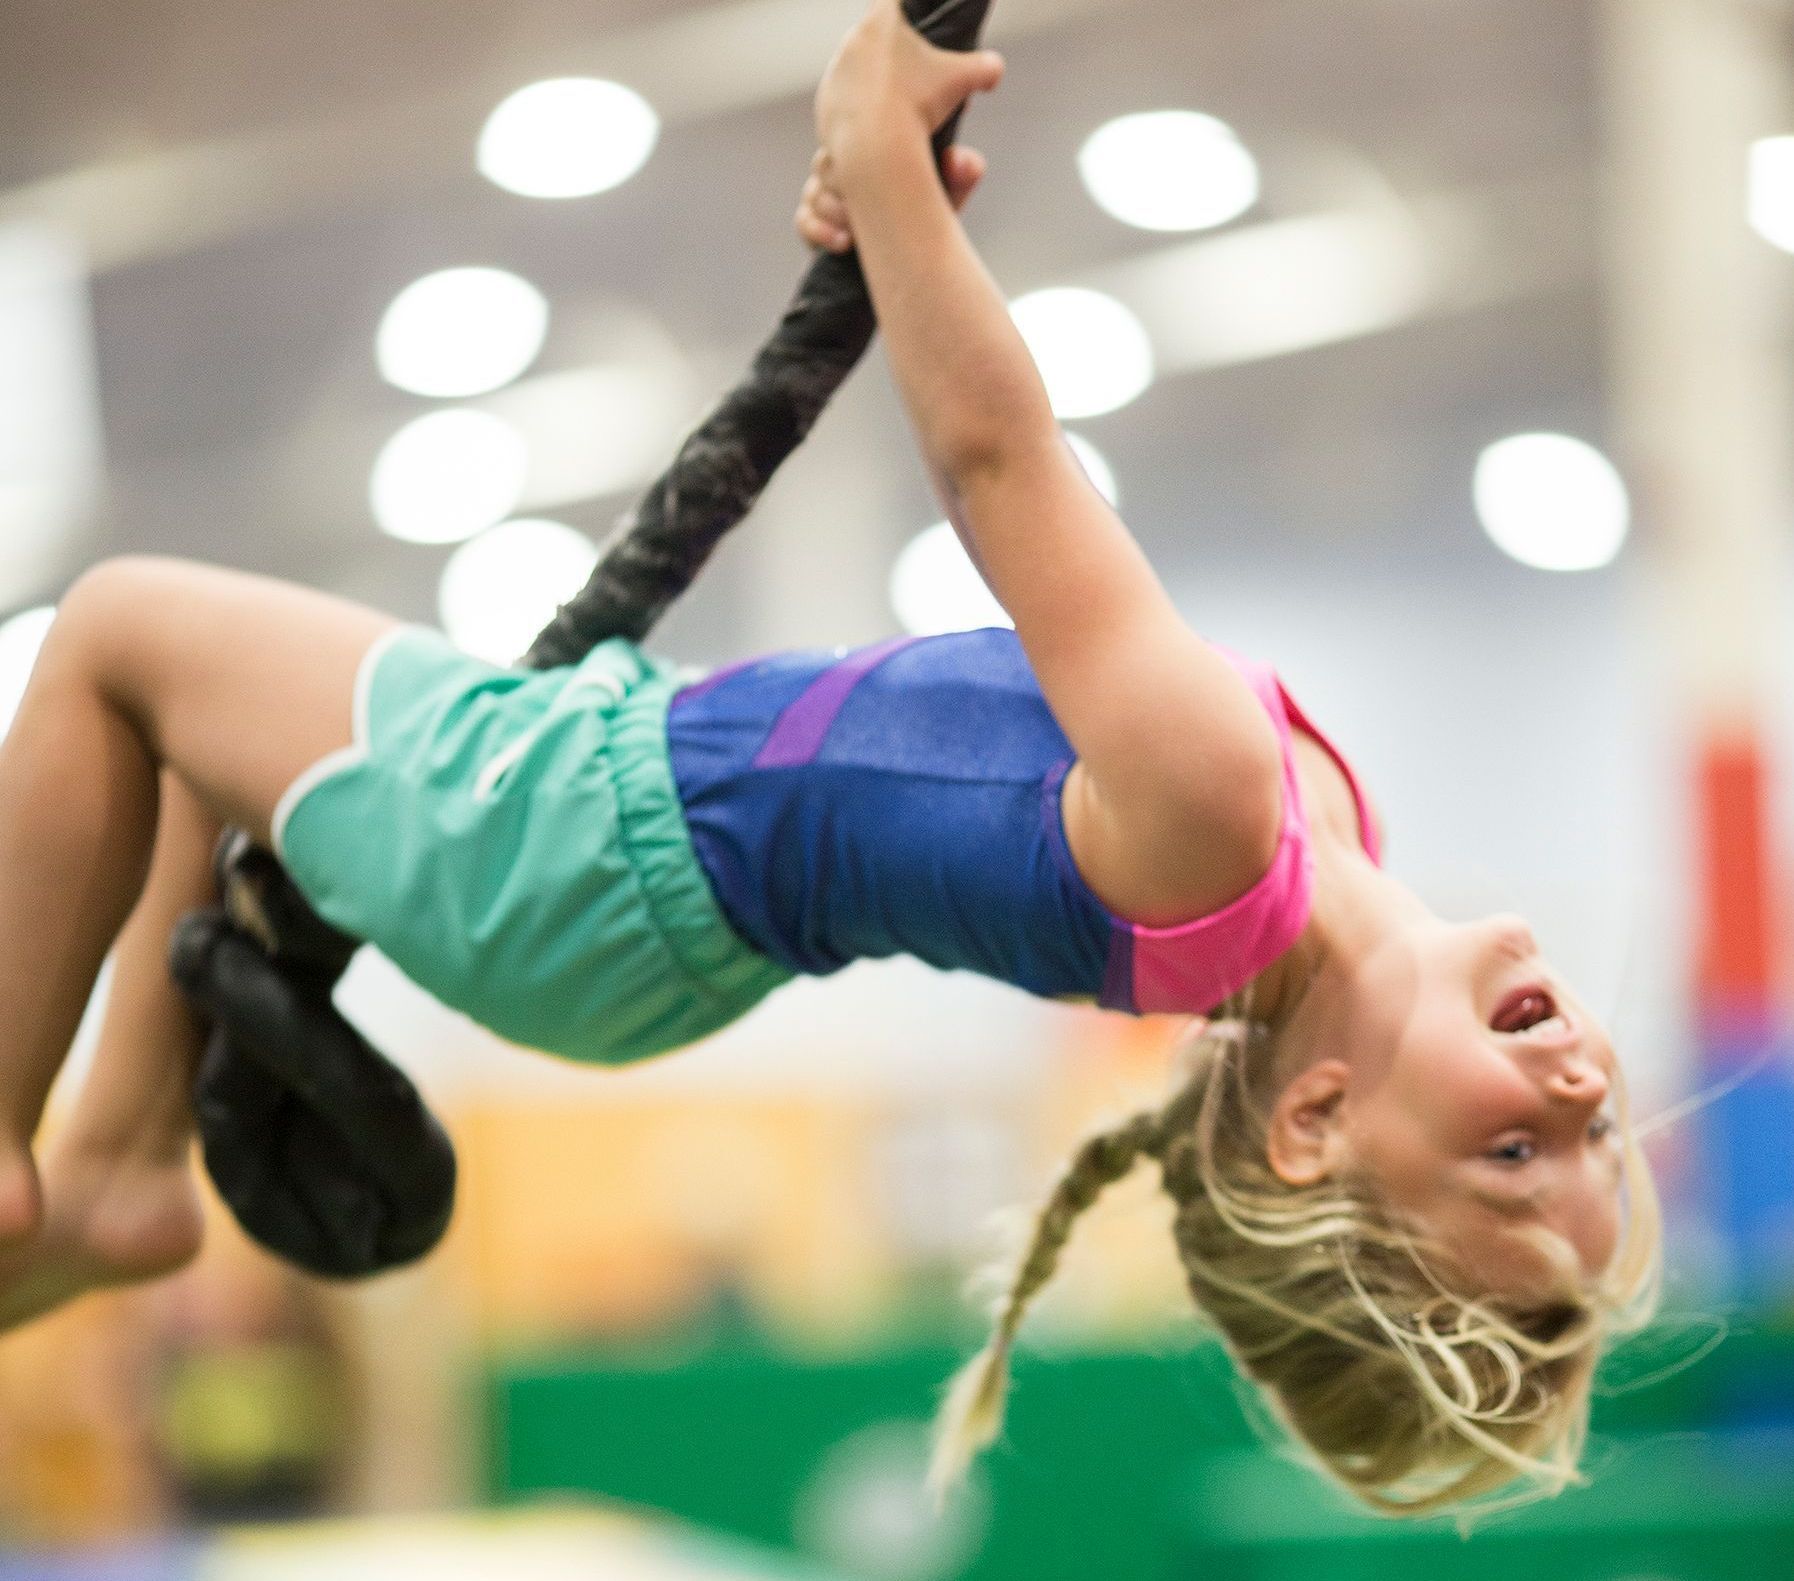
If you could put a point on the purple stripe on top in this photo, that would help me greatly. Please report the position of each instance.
(1118, 971)
(714, 679)
(800, 730)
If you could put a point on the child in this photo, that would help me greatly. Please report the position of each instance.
(1397, 1177)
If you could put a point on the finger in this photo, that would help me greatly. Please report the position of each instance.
(964, 169)
(828, 206)
(817, 233)
(962, 75)
(825, 203)
(972, 71)
(961, 184)
(986, 67)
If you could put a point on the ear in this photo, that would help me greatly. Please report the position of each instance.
(1304, 1144)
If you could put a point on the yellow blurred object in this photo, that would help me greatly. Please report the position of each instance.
(621, 1212)
(627, 1213)
(227, 1412)
(73, 1466)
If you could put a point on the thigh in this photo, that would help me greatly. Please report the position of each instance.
(238, 682)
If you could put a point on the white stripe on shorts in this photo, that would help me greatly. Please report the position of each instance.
(492, 775)
(342, 758)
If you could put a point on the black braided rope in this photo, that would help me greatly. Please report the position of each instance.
(321, 1147)
(722, 469)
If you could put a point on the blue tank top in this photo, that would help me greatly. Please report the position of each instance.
(899, 799)
(905, 799)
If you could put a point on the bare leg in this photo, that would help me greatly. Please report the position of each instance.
(120, 1202)
(77, 814)
(236, 684)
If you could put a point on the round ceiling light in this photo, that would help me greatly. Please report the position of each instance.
(1771, 191)
(461, 332)
(567, 138)
(21, 639)
(1552, 502)
(1096, 467)
(935, 587)
(500, 589)
(1169, 170)
(447, 475)
(1093, 354)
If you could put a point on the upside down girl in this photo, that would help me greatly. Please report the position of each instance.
(1407, 1195)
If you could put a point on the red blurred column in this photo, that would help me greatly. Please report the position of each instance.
(1703, 399)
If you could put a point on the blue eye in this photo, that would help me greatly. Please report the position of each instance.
(1601, 1127)
(1518, 1152)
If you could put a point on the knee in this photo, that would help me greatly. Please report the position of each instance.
(104, 595)
(100, 621)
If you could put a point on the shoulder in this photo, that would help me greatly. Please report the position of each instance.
(1162, 862)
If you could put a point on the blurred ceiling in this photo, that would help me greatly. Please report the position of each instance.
(253, 183)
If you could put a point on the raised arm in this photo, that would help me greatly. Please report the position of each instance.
(1180, 764)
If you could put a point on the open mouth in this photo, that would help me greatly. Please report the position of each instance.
(1527, 1009)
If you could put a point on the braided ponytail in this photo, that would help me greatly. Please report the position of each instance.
(973, 1410)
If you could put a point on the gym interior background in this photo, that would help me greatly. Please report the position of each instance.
(1436, 351)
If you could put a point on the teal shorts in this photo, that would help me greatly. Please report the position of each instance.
(513, 841)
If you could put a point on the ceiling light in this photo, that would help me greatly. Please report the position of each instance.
(1169, 170)
(447, 475)
(51, 452)
(461, 332)
(1552, 502)
(936, 588)
(1771, 209)
(500, 589)
(601, 430)
(1090, 350)
(20, 640)
(1096, 467)
(567, 138)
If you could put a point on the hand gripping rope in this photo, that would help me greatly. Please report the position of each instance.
(321, 1147)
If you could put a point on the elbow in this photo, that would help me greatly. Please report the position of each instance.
(968, 458)
(995, 429)
(983, 452)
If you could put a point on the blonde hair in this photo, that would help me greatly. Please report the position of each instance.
(1414, 1397)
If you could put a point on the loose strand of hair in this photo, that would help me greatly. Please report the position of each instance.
(1546, 1475)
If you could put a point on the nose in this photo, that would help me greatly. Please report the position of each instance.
(1576, 1078)
(1511, 934)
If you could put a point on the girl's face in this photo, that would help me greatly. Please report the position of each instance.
(1477, 1091)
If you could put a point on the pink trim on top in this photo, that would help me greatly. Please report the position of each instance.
(1191, 968)
(1367, 821)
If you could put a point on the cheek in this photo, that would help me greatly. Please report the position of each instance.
(1450, 1085)
(1594, 1220)
(1392, 1137)
(1601, 1240)
(1434, 1059)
